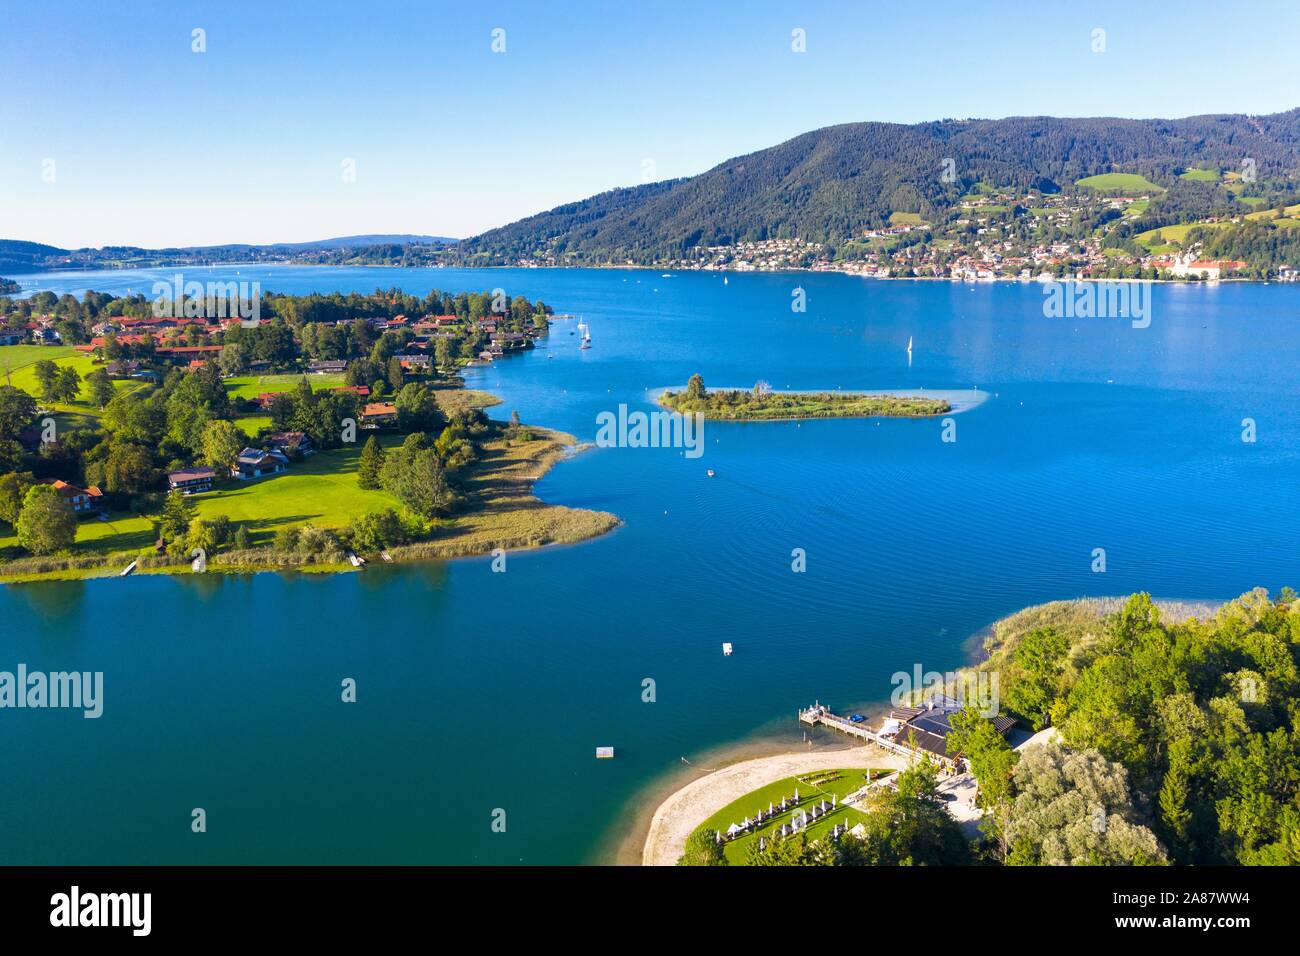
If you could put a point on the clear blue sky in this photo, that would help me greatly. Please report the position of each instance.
(153, 144)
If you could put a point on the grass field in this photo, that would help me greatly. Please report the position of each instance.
(1200, 175)
(813, 788)
(18, 368)
(1126, 184)
(1167, 235)
(905, 219)
(1291, 212)
(251, 386)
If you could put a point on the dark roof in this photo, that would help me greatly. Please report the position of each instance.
(191, 474)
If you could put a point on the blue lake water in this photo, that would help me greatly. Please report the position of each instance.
(480, 691)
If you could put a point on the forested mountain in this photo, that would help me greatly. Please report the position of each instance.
(829, 184)
(19, 257)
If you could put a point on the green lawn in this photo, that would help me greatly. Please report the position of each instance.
(251, 386)
(905, 219)
(122, 532)
(18, 368)
(1122, 183)
(1200, 175)
(1174, 234)
(322, 490)
(813, 788)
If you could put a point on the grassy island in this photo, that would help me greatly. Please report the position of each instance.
(763, 404)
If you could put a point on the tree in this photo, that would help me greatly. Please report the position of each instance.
(703, 849)
(1039, 658)
(67, 384)
(992, 761)
(222, 443)
(174, 522)
(47, 376)
(421, 485)
(46, 523)
(417, 409)
(101, 387)
(378, 530)
(396, 374)
(695, 387)
(1074, 807)
(127, 469)
(17, 409)
(371, 467)
(13, 489)
(231, 359)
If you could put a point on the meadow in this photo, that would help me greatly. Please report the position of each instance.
(1122, 184)
(18, 368)
(813, 788)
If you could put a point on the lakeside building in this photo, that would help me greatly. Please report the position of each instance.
(191, 481)
(912, 731)
(82, 500)
(256, 463)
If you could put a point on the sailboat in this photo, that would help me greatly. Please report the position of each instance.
(909, 351)
(586, 335)
(724, 280)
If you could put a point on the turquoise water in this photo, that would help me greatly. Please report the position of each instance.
(480, 691)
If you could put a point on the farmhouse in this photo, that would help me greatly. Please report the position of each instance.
(82, 500)
(191, 481)
(256, 463)
(327, 368)
(378, 413)
(291, 443)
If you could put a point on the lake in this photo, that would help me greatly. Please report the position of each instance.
(480, 691)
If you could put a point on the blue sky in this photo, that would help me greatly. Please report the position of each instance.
(152, 144)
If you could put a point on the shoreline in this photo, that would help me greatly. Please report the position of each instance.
(687, 807)
(477, 527)
(17, 277)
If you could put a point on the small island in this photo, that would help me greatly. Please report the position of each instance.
(761, 403)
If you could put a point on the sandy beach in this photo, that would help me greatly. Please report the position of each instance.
(685, 809)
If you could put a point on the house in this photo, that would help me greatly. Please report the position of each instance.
(122, 368)
(328, 368)
(12, 338)
(191, 481)
(420, 363)
(291, 443)
(361, 391)
(256, 463)
(82, 500)
(1212, 269)
(926, 728)
(376, 414)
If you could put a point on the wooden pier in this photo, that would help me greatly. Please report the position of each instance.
(817, 714)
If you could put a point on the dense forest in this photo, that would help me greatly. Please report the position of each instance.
(832, 183)
(1178, 742)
